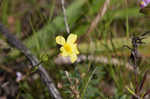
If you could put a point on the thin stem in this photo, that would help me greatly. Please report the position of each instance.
(86, 86)
(127, 19)
(65, 16)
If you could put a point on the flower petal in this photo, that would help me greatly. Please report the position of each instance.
(60, 40)
(72, 38)
(143, 4)
(75, 49)
(73, 58)
(63, 52)
(146, 1)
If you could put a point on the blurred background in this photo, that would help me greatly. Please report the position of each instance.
(102, 70)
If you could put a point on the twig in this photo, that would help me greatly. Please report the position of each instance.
(98, 17)
(12, 40)
(65, 16)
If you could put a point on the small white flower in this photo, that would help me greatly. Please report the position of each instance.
(19, 76)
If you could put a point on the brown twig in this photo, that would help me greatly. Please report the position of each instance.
(98, 17)
(12, 40)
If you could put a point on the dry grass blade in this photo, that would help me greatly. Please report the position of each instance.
(98, 17)
(143, 81)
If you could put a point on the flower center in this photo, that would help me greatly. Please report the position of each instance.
(68, 48)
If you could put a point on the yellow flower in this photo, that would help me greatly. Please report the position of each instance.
(69, 47)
